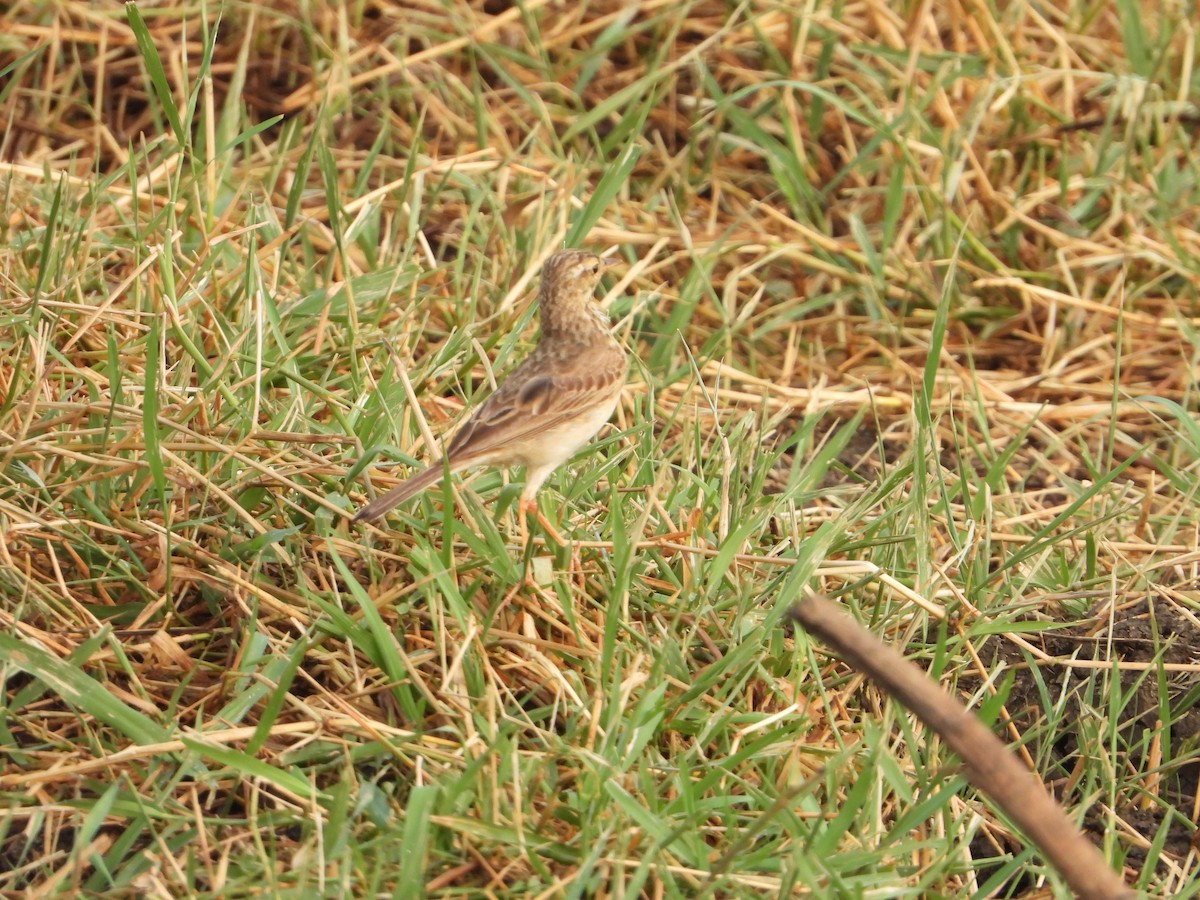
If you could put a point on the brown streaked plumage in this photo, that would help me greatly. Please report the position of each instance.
(551, 404)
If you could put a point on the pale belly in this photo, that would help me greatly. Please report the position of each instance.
(553, 448)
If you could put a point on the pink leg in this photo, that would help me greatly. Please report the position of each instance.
(524, 507)
(522, 526)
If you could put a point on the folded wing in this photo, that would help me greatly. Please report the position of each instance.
(539, 395)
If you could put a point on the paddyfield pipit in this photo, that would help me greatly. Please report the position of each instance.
(551, 404)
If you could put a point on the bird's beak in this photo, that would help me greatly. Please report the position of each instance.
(610, 261)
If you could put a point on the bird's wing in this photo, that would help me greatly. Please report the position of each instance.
(540, 394)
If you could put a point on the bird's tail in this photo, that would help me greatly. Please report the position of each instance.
(401, 492)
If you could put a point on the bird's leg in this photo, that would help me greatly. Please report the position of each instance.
(527, 579)
(550, 530)
(526, 506)
(522, 525)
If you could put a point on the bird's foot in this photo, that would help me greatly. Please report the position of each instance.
(524, 507)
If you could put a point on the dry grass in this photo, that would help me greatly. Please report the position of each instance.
(914, 297)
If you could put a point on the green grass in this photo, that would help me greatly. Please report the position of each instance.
(914, 310)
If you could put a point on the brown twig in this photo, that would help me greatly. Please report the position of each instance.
(988, 764)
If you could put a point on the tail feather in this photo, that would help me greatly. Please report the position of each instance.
(401, 492)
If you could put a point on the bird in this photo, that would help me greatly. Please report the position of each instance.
(550, 404)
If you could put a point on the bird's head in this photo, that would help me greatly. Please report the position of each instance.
(569, 280)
